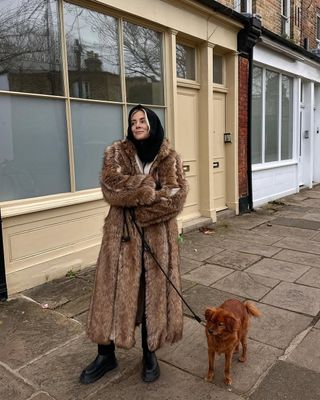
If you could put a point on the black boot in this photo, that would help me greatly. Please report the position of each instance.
(150, 366)
(104, 362)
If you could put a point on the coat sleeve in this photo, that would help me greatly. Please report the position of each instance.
(169, 200)
(121, 189)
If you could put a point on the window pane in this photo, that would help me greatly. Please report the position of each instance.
(33, 151)
(257, 116)
(94, 127)
(186, 62)
(93, 54)
(272, 116)
(217, 69)
(30, 47)
(286, 118)
(143, 64)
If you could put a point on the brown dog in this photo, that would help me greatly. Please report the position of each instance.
(226, 327)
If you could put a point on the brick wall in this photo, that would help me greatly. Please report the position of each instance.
(309, 21)
(243, 125)
(270, 12)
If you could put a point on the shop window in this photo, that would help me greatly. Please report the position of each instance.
(257, 97)
(143, 64)
(92, 41)
(243, 6)
(285, 18)
(38, 132)
(30, 58)
(218, 66)
(186, 62)
(93, 125)
(34, 151)
(272, 116)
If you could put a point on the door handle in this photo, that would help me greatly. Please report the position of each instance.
(215, 164)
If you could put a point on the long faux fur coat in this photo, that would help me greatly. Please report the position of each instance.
(114, 303)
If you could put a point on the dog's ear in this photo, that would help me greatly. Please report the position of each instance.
(209, 313)
(231, 323)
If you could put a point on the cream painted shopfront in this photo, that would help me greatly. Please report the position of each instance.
(69, 73)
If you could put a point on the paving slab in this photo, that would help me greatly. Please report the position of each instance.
(296, 223)
(317, 325)
(173, 384)
(28, 331)
(190, 355)
(207, 274)
(198, 252)
(277, 327)
(200, 297)
(250, 286)
(76, 306)
(288, 381)
(312, 216)
(307, 353)
(311, 278)
(188, 265)
(249, 236)
(277, 269)
(57, 293)
(312, 203)
(316, 238)
(285, 231)
(42, 396)
(306, 246)
(248, 221)
(57, 373)
(87, 274)
(298, 257)
(233, 259)
(82, 318)
(294, 297)
(186, 284)
(13, 387)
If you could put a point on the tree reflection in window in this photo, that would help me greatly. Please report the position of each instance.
(143, 64)
(30, 59)
(185, 59)
(92, 40)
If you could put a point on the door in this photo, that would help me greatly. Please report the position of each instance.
(218, 162)
(187, 146)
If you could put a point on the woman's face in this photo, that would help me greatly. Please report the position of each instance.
(139, 126)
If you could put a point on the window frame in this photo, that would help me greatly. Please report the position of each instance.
(293, 160)
(238, 8)
(285, 18)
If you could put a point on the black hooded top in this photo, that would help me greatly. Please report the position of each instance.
(147, 149)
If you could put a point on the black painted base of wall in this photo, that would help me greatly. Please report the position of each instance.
(244, 205)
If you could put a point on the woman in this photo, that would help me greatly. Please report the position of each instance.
(143, 181)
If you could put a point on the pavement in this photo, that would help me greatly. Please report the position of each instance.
(270, 256)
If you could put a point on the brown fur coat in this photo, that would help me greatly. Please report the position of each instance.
(113, 307)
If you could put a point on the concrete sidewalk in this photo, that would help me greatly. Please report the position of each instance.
(271, 256)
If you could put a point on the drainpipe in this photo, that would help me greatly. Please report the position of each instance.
(249, 139)
(247, 39)
(3, 282)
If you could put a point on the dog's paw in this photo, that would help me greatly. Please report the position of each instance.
(242, 359)
(209, 378)
(227, 380)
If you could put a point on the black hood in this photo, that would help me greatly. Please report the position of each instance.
(149, 148)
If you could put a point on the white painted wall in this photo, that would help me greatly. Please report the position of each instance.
(316, 139)
(274, 183)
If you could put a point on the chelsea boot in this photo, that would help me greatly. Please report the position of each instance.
(104, 362)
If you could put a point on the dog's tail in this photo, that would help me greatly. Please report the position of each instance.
(252, 309)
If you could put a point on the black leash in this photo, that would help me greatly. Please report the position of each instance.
(148, 249)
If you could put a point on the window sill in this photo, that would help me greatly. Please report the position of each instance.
(188, 83)
(271, 165)
(27, 206)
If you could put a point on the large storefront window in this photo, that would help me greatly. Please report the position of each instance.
(143, 64)
(57, 115)
(272, 104)
(30, 57)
